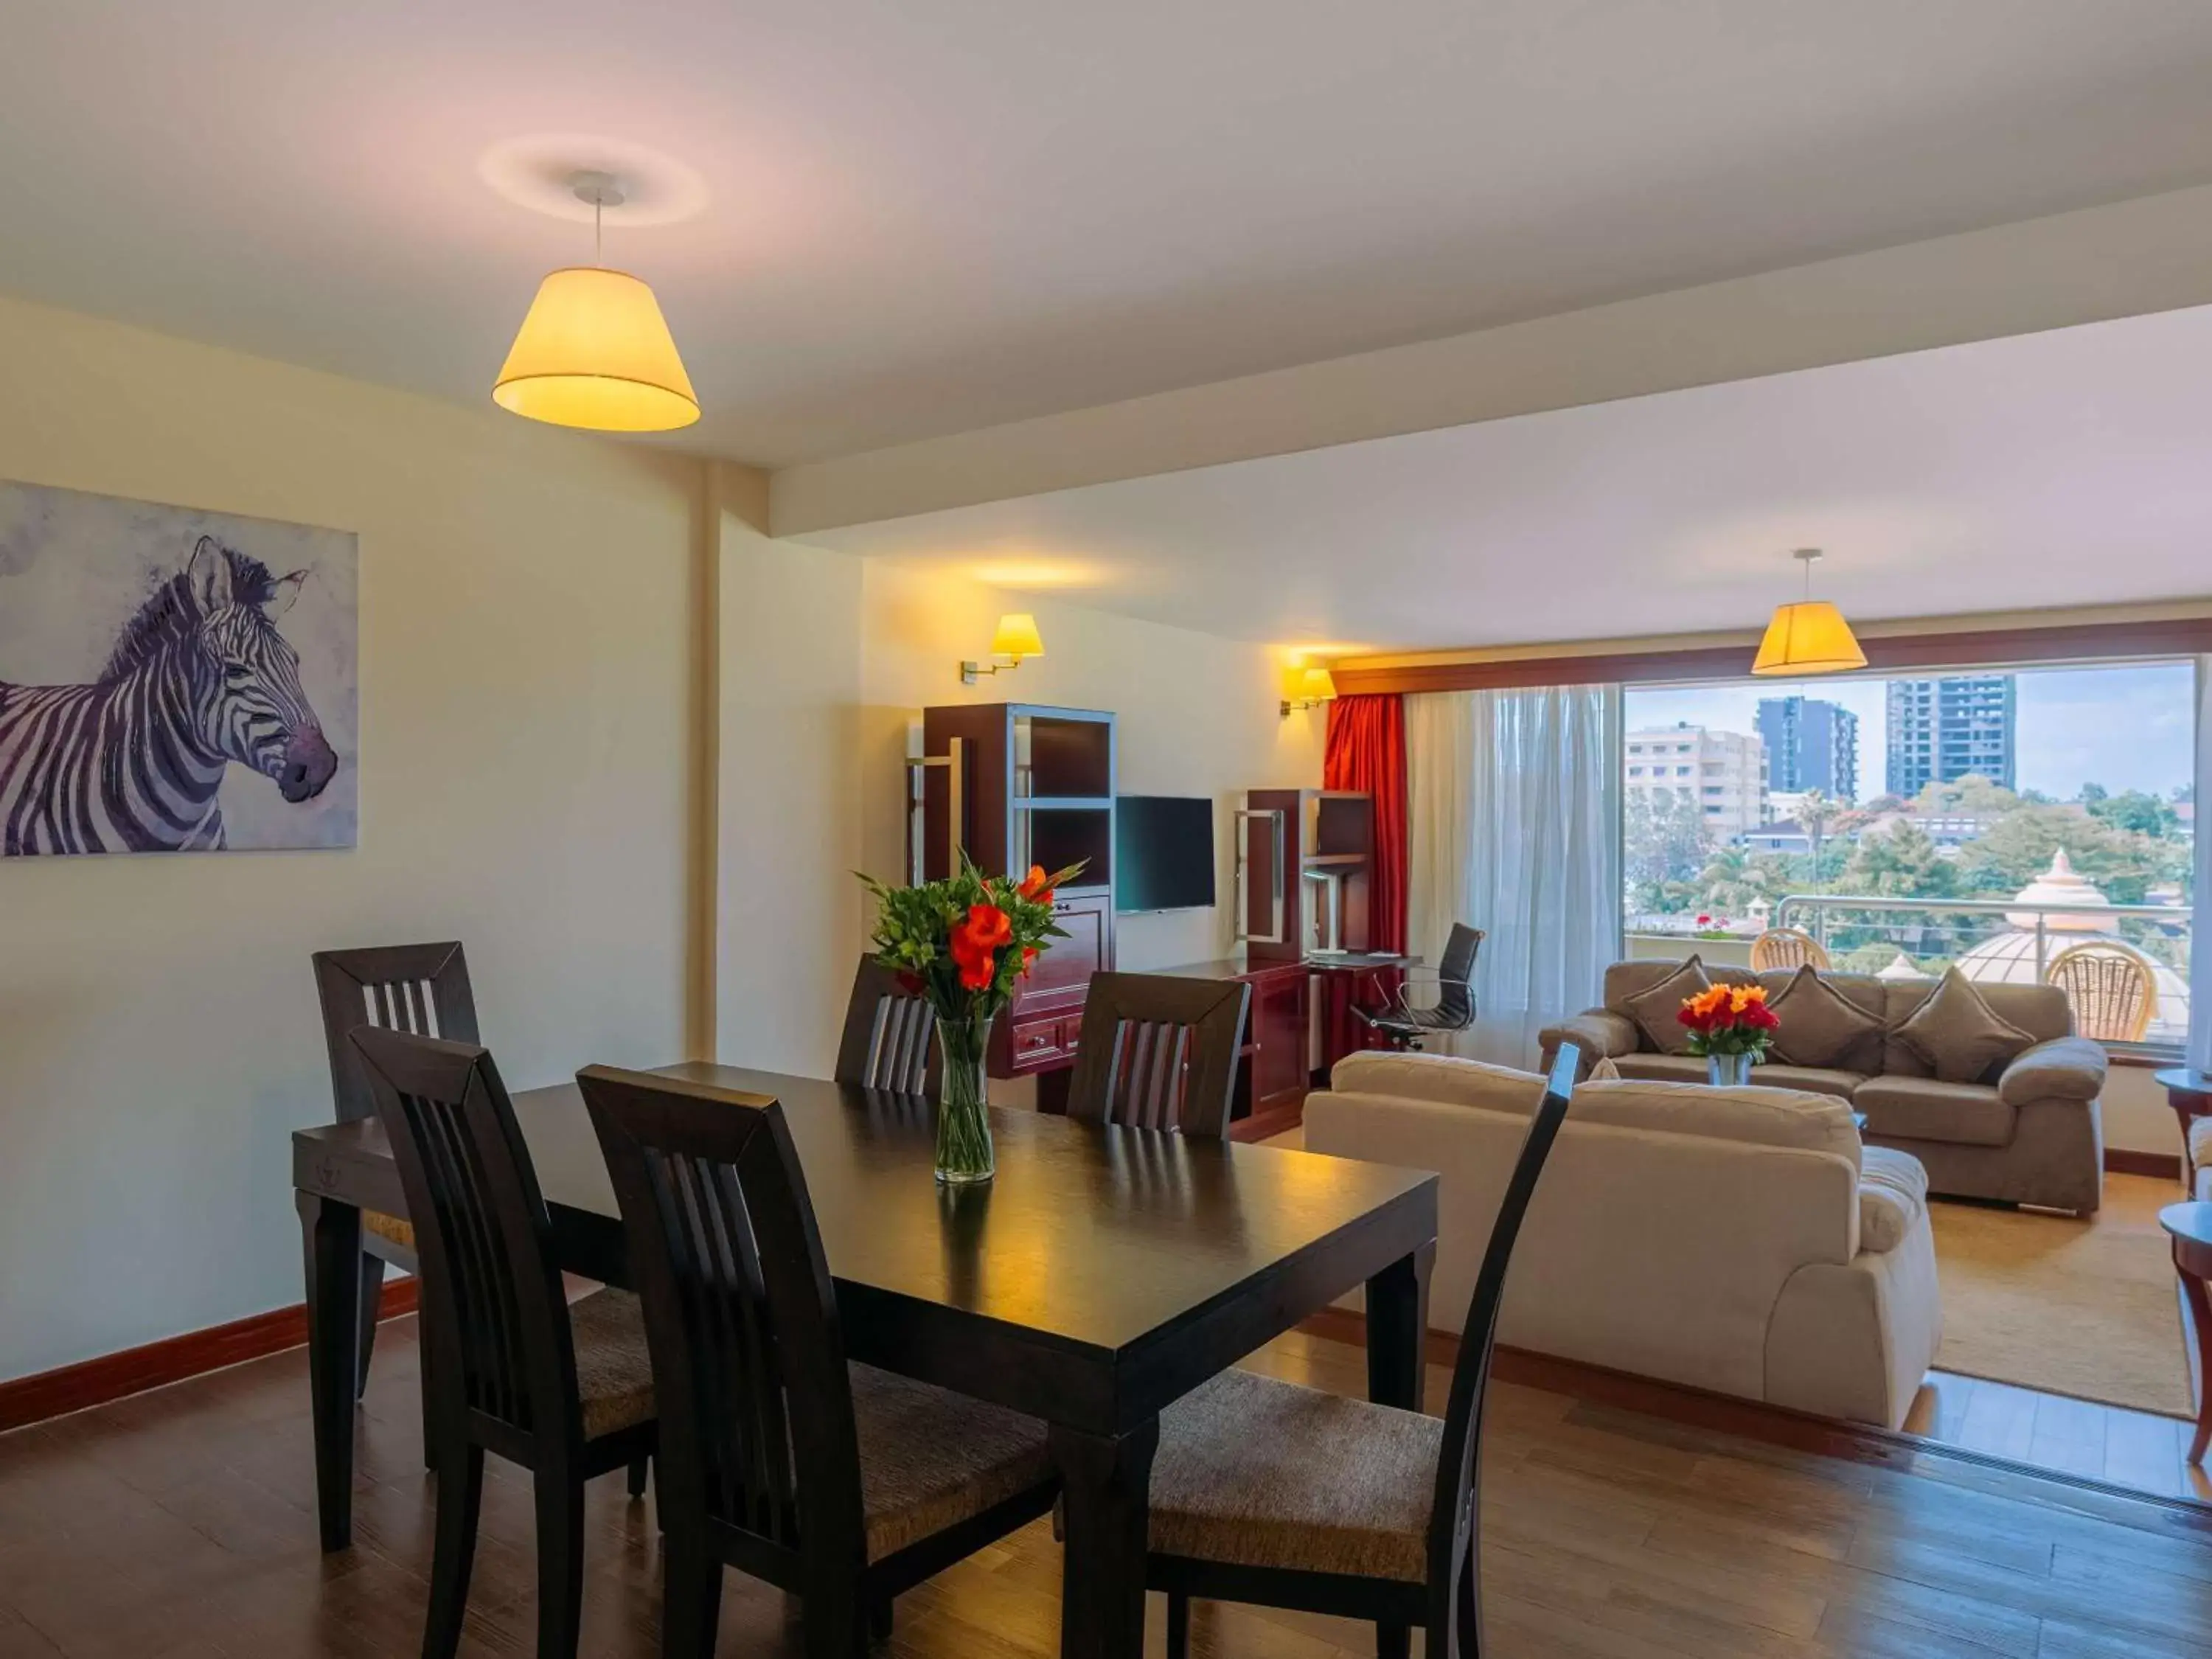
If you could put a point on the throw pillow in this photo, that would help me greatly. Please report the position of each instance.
(1606, 1071)
(1955, 1034)
(1821, 1027)
(1653, 1010)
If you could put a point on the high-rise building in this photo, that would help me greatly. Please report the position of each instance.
(1939, 730)
(1724, 773)
(1811, 744)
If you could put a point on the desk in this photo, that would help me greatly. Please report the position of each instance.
(1104, 1274)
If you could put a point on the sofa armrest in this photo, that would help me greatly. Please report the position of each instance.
(1600, 1033)
(2064, 1068)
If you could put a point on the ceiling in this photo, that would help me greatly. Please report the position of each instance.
(926, 218)
(2059, 469)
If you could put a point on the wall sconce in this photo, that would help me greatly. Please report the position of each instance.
(1308, 688)
(1017, 638)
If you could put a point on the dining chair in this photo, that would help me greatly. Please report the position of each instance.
(423, 989)
(1268, 1493)
(1788, 947)
(890, 1035)
(2112, 990)
(835, 1481)
(1159, 1051)
(565, 1390)
(1404, 1025)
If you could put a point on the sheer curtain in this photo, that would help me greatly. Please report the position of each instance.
(1513, 809)
(2200, 934)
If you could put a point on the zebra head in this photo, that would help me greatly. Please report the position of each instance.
(250, 706)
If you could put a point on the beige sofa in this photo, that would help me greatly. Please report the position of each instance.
(2028, 1131)
(1737, 1240)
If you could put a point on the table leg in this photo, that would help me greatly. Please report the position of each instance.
(330, 1234)
(2200, 1315)
(1397, 1329)
(1106, 1484)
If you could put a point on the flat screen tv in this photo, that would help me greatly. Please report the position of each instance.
(1162, 853)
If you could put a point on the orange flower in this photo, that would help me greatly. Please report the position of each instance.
(1712, 1001)
(1033, 887)
(975, 943)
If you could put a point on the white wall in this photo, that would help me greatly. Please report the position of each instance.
(528, 784)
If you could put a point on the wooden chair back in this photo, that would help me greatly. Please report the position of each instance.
(1787, 947)
(2112, 992)
(1456, 1519)
(890, 1035)
(755, 1406)
(492, 1303)
(1160, 1053)
(421, 988)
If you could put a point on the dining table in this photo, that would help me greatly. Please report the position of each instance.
(1103, 1274)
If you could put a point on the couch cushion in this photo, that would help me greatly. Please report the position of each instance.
(1956, 1035)
(1925, 1109)
(1660, 1068)
(1655, 1011)
(1813, 1079)
(1821, 1027)
(2064, 1068)
(1763, 1117)
(1438, 1077)
(1893, 1197)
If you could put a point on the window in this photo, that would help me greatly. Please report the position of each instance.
(2066, 793)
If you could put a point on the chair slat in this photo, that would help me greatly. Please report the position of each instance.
(1159, 1051)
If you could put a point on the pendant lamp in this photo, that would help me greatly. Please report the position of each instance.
(1809, 637)
(594, 350)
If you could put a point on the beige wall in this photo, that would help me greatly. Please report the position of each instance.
(527, 784)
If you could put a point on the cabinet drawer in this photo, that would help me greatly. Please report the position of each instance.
(1036, 1042)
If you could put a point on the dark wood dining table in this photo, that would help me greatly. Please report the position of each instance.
(1105, 1272)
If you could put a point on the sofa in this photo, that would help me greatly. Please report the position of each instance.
(2027, 1129)
(1741, 1240)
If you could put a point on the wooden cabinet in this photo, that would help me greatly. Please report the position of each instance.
(1018, 784)
(1279, 1024)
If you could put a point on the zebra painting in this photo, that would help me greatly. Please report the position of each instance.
(199, 688)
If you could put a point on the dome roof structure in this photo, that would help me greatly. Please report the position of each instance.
(2010, 958)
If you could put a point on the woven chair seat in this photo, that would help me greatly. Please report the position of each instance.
(614, 1372)
(1256, 1473)
(931, 1458)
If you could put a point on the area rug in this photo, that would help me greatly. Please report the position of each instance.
(2080, 1307)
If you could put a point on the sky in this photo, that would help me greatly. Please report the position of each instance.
(2126, 728)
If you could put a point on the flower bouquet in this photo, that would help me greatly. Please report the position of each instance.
(961, 943)
(1732, 1028)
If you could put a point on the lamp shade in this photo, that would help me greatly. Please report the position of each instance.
(1316, 685)
(1017, 636)
(1809, 637)
(594, 351)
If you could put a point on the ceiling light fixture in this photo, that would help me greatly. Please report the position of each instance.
(594, 350)
(1809, 637)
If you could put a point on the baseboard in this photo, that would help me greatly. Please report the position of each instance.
(1750, 1419)
(69, 1389)
(2118, 1160)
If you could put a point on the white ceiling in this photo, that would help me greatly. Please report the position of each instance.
(2072, 467)
(928, 217)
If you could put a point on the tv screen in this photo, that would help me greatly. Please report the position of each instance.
(1162, 853)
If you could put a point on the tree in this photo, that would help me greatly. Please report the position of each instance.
(2018, 847)
(1816, 815)
(1664, 844)
(2132, 809)
(1904, 863)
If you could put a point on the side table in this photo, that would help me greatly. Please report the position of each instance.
(2189, 1226)
(2189, 1094)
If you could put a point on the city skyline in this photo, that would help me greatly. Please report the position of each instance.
(2068, 721)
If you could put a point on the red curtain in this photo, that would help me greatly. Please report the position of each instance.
(1366, 751)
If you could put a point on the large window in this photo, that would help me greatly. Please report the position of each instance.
(1996, 821)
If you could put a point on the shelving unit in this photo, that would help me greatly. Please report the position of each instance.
(1325, 834)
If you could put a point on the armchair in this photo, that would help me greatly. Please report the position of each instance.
(1405, 1026)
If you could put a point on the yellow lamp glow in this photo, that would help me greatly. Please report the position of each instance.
(594, 351)
(1016, 637)
(1308, 688)
(1809, 637)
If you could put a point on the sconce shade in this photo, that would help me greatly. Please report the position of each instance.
(594, 351)
(1016, 637)
(1316, 685)
(1810, 637)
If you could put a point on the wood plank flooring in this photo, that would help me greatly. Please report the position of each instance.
(180, 1525)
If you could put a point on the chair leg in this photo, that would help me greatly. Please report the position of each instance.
(691, 1602)
(835, 1626)
(560, 1565)
(879, 1619)
(638, 1466)
(461, 1497)
(1178, 1625)
(372, 1298)
(1470, 1608)
(1392, 1640)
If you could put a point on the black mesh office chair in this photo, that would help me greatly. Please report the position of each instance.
(1405, 1026)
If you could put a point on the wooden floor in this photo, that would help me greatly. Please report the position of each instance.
(179, 1525)
(2134, 1449)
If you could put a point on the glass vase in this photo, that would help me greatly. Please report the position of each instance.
(1728, 1071)
(965, 1154)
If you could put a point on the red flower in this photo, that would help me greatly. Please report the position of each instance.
(1704, 921)
(911, 983)
(1029, 955)
(976, 944)
(1033, 886)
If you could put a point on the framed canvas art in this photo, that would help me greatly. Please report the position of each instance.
(172, 680)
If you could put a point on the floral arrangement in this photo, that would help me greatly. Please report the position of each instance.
(962, 941)
(1730, 1019)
